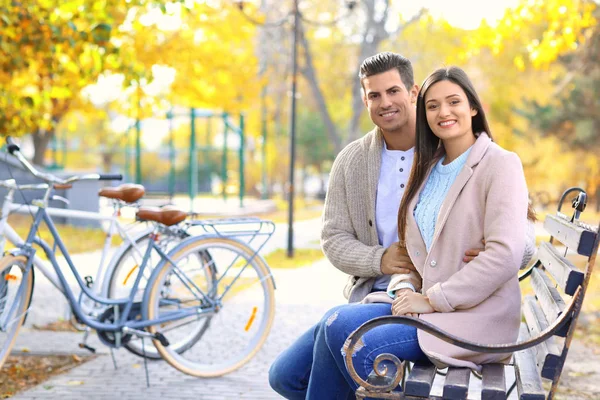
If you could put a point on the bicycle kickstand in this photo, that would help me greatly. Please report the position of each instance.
(145, 364)
(83, 344)
(114, 360)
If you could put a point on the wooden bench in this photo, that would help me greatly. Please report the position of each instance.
(540, 352)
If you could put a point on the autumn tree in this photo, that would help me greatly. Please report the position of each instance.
(49, 52)
(538, 78)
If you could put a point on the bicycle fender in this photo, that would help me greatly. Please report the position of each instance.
(181, 245)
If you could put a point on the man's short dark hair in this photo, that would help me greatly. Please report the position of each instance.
(383, 62)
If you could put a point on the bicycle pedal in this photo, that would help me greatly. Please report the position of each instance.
(88, 348)
(161, 338)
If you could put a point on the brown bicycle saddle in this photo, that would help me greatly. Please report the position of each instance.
(167, 215)
(128, 192)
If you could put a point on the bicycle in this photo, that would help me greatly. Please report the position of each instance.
(183, 290)
(124, 195)
(250, 230)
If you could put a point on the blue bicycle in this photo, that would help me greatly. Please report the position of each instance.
(207, 304)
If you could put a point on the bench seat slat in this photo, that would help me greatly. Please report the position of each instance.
(493, 384)
(456, 384)
(420, 379)
(565, 274)
(529, 383)
(574, 237)
(548, 352)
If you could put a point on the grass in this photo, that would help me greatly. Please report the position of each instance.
(81, 240)
(302, 258)
(77, 239)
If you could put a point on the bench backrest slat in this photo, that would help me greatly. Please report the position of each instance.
(571, 235)
(564, 273)
(529, 383)
(548, 352)
(550, 300)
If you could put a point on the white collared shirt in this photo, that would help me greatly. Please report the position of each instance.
(393, 177)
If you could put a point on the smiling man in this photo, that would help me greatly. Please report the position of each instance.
(367, 181)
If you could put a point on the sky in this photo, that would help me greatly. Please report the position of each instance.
(466, 14)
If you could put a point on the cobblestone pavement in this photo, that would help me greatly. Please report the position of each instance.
(98, 379)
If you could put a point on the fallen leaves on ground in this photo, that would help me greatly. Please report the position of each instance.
(25, 371)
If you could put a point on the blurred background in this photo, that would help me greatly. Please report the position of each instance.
(191, 97)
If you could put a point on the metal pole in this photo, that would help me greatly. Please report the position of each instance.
(64, 150)
(264, 142)
(54, 144)
(224, 158)
(242, 145)
(171, 156)
(127, 172)
(290, 247)
(193, 160)
(138, 149)
(138, 139)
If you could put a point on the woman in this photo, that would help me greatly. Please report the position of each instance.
(464, 188)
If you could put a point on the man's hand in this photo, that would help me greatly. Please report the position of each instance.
(411, 303)
(472, 253)
(395, 260)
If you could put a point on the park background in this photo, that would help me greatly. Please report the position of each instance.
(111, 85)
(194, 98)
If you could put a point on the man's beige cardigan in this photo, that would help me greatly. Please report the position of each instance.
(349, 235)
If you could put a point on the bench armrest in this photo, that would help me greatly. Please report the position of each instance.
(354, 338)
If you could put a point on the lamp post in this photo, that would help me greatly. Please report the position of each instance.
(291, 191)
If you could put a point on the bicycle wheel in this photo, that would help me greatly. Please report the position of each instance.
(15, 291)
(235, 329)
(123, 277)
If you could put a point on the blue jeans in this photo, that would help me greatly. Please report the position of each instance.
(313, 366)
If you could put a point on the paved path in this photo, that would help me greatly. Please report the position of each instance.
(297, 309)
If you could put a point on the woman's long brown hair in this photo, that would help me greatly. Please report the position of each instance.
(429, 148)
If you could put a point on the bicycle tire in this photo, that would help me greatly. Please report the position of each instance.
(13, 273)
(124, 269)
(252, 300)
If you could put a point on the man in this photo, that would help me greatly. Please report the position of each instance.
(367, 181)
(360, 227)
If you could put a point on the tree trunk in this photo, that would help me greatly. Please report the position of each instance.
(310, 74)
(41, 139)
(373, 35)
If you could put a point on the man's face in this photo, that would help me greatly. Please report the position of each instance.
(390, 104)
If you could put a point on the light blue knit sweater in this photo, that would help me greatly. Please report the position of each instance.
(434, 193)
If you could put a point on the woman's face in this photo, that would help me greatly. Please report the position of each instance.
(448, 112)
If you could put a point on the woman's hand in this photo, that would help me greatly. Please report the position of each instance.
(411, 303)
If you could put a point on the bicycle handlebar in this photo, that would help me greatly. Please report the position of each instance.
(110, 177)
(16, 151)
(12, 147)
(12, 184)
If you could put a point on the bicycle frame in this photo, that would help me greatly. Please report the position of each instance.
(26, 249)
(115, 227)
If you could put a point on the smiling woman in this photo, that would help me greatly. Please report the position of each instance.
(449, 115)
